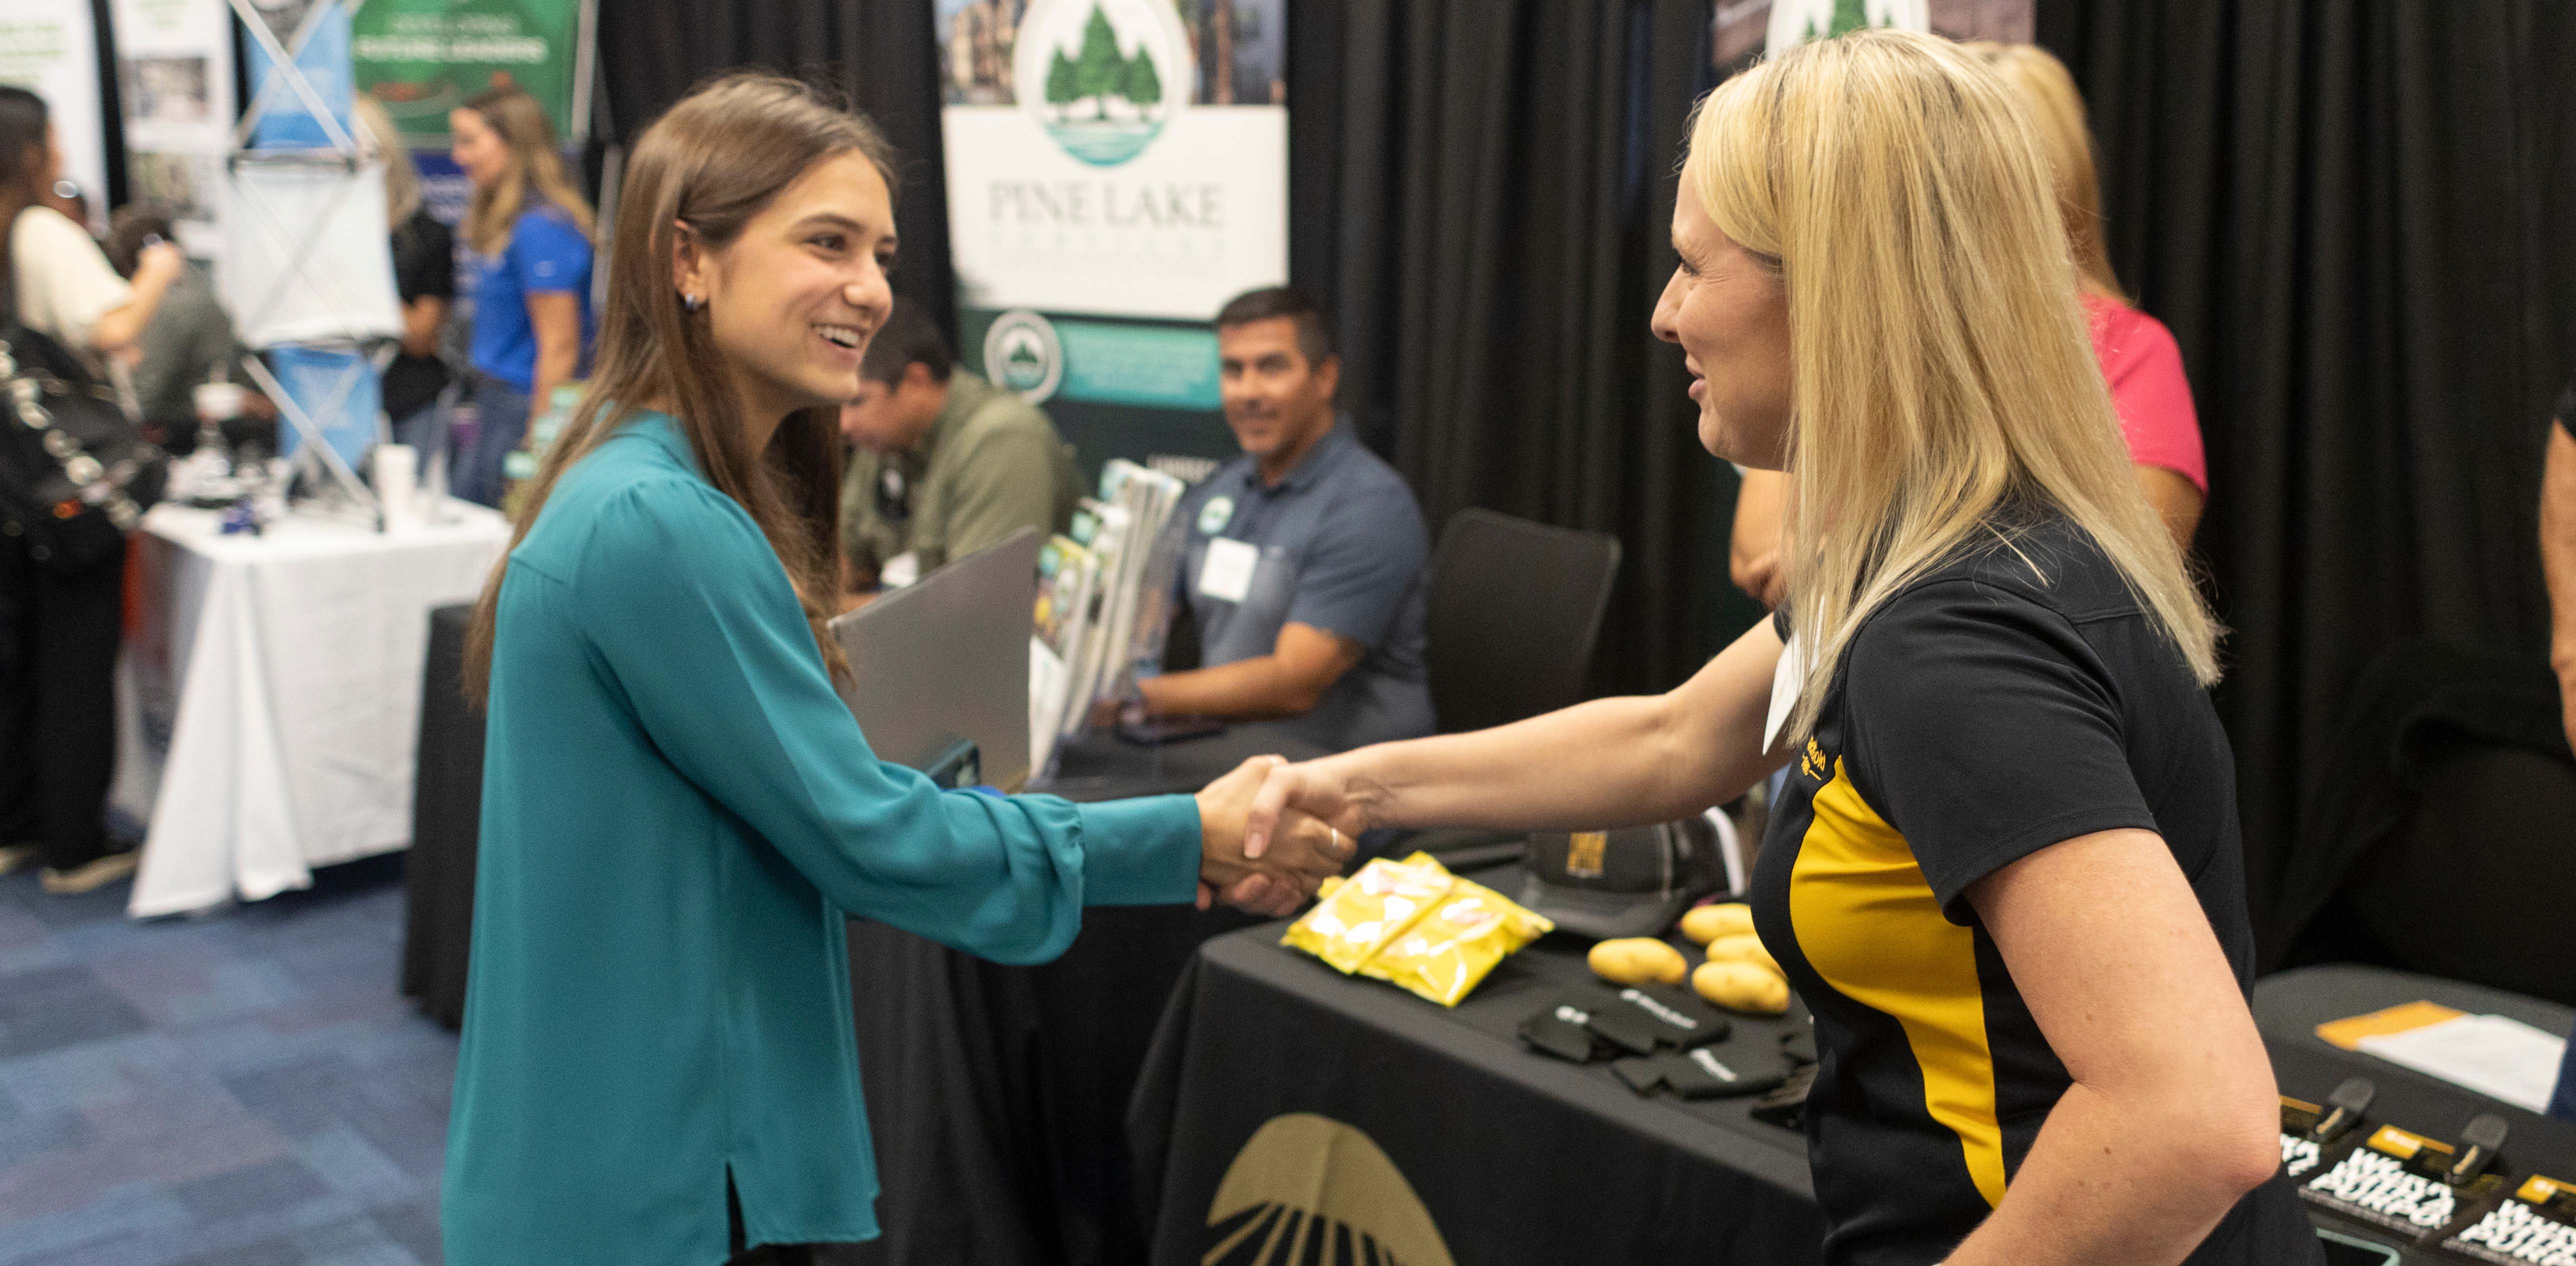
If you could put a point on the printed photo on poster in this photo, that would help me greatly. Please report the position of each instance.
(175, 74)
(168, 91)
(1238, 51)
(186, 185)
(1742, 29)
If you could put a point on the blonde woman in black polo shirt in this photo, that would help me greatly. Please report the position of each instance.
(2005, 873)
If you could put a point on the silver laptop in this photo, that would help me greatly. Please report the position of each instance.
(945, 660)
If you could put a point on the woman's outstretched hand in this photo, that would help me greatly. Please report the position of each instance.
(1313, 790)
(1298, 851)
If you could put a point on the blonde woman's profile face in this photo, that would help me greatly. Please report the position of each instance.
(478, 150)
(1730, 314)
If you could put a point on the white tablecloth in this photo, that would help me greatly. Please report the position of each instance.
(269, 696)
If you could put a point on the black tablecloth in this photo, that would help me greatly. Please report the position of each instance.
(996, 1094)
(1515, 1156)
(447, 809)
(2289, 1006)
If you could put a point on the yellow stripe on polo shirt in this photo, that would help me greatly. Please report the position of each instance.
(1870, 925)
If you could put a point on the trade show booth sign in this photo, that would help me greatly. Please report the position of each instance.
(50, 48)
(423, 58)
(175, 65)
(1117, 170)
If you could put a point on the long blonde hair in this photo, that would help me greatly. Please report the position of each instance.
(709, 165)
(1940, 367)
(535, 163)
(402, 178)
(2056, 112)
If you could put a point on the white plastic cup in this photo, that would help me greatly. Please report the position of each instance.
(397, 475)
(219, 401)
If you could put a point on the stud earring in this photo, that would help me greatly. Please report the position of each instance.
(692, 302)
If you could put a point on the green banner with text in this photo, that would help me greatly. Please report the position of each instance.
(423, 58)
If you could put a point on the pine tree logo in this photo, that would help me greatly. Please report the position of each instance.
(1103, 77)
(1795, 22)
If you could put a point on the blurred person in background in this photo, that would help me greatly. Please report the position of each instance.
(190, 340)
(2139, 357)
(2558, 571)
(59, 630)
(529, 229)
(425, 281)
(942, 463)
(1302, 561)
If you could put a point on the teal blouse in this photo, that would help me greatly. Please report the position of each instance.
(677, 813)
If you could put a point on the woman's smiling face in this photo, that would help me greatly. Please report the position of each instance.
(793, 299)
(1729, 311)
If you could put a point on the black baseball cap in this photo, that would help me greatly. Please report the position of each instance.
(1634, 881)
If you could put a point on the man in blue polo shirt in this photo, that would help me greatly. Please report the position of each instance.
(1302, 560)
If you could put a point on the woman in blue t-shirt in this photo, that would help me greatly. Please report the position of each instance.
(530, 231)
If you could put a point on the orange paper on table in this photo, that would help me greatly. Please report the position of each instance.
(2403, 1018)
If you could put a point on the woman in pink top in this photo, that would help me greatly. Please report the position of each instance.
(2139, 358)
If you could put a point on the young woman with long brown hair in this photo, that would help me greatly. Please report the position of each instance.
(658, 1064)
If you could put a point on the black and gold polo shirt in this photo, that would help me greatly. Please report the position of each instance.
(2016, 697)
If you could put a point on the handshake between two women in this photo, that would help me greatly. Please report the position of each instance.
(1291, 856)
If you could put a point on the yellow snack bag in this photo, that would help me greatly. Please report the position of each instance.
(1447, 953)
(1382, 900)
(1414, 924)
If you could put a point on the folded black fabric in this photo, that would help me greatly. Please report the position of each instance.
(1557, 1029)
(1725, 1070)
(1627, 1027)
(1642, 1075)
(1679, 1018)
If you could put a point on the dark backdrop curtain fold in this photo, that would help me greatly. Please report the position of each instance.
(2354, 218)
(877, 55)
(1484, 188)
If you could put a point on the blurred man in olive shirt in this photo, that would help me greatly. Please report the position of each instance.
(942, 463)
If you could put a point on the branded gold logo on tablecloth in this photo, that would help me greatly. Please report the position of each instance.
(1309, 1187)
(1583, 853)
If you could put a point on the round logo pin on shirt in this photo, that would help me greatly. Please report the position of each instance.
(1213, 517)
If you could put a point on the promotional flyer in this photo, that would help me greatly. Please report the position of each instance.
(175, 70)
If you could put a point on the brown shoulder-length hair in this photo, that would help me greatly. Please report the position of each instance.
(536, 163)
(711, 164)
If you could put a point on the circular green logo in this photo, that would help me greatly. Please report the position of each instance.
(1022, 354)
(1213, 517)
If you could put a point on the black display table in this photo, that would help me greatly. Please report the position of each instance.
(446, 817)
(1515, 1156)
(997, 1095)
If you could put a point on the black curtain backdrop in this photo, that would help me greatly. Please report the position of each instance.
(2355, 219)
(1484, 187)
(878, 55)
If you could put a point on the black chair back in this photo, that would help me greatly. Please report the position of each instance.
(1515, 609)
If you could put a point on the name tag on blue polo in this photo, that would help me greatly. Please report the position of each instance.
(1226, 574)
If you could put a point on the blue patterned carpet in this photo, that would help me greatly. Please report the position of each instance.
(246, 1089)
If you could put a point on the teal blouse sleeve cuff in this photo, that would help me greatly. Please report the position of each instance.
(1140, 852)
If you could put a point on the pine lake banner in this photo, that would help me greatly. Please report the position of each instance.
(1117, 170)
